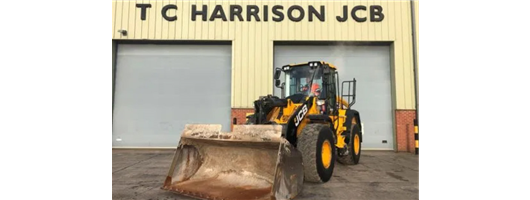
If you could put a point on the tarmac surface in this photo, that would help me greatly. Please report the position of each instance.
(380, 175)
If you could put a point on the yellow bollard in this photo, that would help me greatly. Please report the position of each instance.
(416, 136)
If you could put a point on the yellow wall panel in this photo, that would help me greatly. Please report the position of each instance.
(408, 89)
(164, 28)
(118, 19)
(130, 19)
(385, 24)
(185, 28)
(253, 41)
(114, 24)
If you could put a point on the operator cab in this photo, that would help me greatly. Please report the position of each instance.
(308, 79)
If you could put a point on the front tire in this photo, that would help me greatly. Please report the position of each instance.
(317, 145)
(354, 147)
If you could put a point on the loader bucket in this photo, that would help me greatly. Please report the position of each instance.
(252, 162)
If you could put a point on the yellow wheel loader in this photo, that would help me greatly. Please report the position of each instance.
(286, 141)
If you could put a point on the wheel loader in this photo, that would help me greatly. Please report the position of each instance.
(287, 141)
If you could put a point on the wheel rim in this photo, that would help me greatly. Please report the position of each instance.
(326, 154)
(356, 143)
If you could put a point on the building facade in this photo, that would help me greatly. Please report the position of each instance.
(178, 62)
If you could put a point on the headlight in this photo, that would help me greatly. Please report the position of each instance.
(320, 102)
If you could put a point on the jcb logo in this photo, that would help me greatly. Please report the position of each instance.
(300, 115)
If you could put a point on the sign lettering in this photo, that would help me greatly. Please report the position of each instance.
(300, 115)
(295, 13)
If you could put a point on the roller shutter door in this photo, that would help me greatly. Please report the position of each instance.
(160, 88)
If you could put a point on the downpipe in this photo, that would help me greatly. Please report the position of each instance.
(414, 54)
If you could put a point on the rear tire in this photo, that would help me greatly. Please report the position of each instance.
(317, 145)
(354, 147)
(250, 120)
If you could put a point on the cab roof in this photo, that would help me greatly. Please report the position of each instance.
(306, 63)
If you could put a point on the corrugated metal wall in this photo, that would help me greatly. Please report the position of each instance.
(253, 41)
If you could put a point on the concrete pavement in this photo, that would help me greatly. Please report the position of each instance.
(380, 175)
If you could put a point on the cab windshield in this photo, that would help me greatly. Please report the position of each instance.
(303, 80)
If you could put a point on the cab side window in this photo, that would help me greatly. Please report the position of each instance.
(331, 93)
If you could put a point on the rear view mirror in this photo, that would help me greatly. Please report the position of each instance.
(277, 74)
(277, 82)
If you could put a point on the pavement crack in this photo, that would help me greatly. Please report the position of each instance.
(396, 176)
(135, 163)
